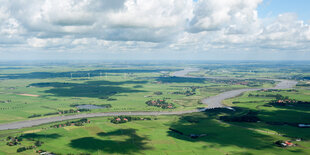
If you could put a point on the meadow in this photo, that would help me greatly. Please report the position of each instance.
(36, 91)
(154, 136)
(42, 91)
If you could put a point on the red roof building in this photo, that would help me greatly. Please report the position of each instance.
(288, 143)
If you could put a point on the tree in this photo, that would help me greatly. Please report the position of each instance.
(38, 143)
(21, 149)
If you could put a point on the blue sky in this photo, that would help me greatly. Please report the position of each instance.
(155, 29)
(271, 8)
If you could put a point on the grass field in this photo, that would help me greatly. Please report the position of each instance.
(42, 90)
(154, 137)
(37, 92)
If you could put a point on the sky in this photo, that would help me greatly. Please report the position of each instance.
(154, 30)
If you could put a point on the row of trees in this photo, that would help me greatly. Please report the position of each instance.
(59, 112)
(285, 102)
(125, 119)
(72, 123)
(277, 96)
(36, 144)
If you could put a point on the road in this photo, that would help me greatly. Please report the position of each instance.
(211, 102)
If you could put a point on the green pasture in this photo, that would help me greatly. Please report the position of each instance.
(129, 89)
(154, 137)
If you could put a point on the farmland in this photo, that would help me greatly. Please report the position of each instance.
(39, 91)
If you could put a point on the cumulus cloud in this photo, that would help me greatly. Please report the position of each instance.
(286, 32)
(141, 25)
(210, 15)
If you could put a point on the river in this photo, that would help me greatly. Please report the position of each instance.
(211, 102)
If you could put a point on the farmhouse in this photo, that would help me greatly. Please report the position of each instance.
(287, 143)
(284, 143)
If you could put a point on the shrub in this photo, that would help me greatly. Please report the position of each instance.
(158, 93)
(21, 149)
(35, 115)
(38, 143)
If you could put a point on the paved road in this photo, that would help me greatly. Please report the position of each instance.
(211, 102)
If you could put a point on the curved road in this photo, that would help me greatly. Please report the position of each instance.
(212, 102)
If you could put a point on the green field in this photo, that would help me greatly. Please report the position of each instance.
(154, 137)
(124, 89)
(36, 91)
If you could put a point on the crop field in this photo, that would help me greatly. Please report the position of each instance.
(258, 120)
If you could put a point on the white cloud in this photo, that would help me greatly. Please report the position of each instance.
(146, 25)
(286, 32)
(152, 14)
(210, 15)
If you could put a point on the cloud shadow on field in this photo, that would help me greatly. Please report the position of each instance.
(77, 74)
(241, 134)
(39, 136)
(133, 143)
(94, 89)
